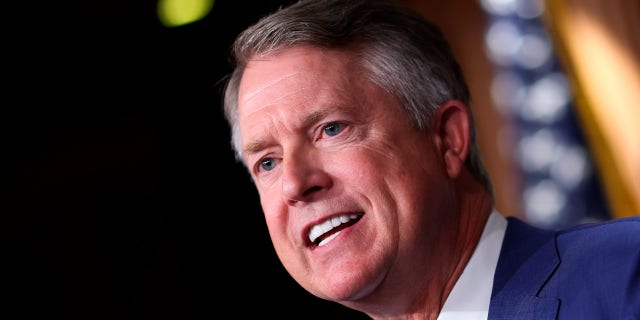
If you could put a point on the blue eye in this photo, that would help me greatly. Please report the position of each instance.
(267, 164)
(333, 129)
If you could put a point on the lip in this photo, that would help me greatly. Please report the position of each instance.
(329, 227)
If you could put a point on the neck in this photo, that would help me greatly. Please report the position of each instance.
(474, 215)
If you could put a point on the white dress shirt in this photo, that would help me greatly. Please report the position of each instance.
(469, 299)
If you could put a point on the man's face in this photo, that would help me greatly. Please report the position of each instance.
(354, 197)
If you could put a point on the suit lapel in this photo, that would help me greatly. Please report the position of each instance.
(527, 259)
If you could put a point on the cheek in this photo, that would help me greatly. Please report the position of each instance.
(356, 171)
(371, 175)
(275, 213)
(277, 225)
(375, 166)
(407, 173)
(273, 210)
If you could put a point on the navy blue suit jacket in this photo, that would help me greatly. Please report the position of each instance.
(590, 271)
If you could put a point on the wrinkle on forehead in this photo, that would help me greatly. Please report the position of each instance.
(292, 92)
(266, 85)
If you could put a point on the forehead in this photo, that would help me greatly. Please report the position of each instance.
(298, 68)
(297, 79)
(290, 89)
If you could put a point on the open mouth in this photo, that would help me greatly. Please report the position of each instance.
(324, 232)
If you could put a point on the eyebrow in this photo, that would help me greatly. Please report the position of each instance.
(307, 120)
(254, 147)
(313, 117)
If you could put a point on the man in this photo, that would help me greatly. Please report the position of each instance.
(354, 121)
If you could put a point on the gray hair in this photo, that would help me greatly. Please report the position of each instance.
(404, 54)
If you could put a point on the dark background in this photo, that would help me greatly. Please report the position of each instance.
(119, 194)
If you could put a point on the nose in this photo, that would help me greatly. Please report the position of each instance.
(304, 178)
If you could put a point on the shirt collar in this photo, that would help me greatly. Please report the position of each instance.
(471, 294)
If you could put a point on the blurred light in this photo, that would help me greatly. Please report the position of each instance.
(544, 203)
(534, 51)
(537, 151)
(173, 13)
(529, 9)
(530, 88)
(547, 99)
(498, 7)
(507, 91)
(571, 167)
(503, 41)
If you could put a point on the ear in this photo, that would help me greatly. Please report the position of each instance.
(451, 127)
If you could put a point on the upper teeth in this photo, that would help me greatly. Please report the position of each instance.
(322, 228)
